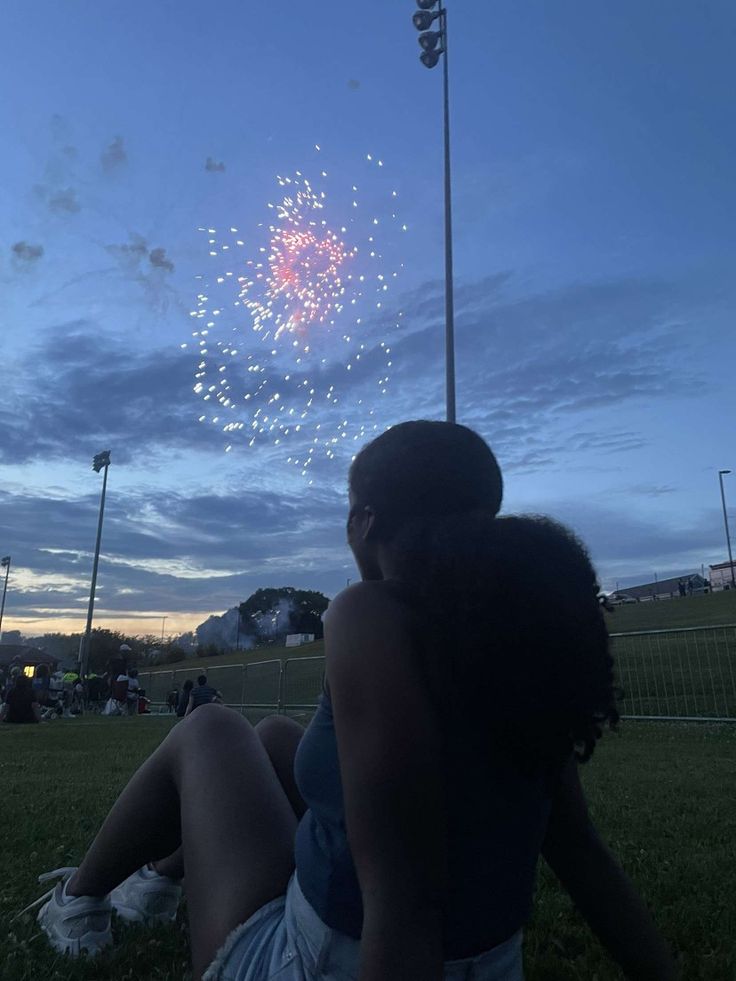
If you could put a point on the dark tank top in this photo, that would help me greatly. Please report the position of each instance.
(496, 821)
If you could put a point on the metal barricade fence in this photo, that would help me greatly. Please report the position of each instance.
(262, 689)
(302, 682)
(254, 689)
(688, 673)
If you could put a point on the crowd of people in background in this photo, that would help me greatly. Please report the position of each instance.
(38, 694)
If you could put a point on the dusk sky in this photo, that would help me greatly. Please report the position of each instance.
(594, 152)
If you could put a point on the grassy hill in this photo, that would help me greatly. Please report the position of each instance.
(316, 649)
(711, 610)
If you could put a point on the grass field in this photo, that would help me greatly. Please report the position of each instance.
(662, 795)
(711, 610)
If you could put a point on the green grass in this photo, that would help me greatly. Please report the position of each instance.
(710, 610)
(661, 794)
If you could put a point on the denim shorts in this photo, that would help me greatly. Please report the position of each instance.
(285, 940)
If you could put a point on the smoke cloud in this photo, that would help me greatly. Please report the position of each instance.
(26, 252)
(114, 155)
(157, 257)
(222, 631)
(64, 201)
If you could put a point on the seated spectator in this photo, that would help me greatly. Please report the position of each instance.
(172, 699)
(181, 708)
(398, 836)
(56, 689)
(202, 694)
(132, 695)
(20, 705)
(40, 683)
(78, 697)
(120, 690)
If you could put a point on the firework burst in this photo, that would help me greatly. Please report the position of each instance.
(293, 330)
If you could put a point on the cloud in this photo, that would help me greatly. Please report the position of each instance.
(75, 387)
(157, 257)
(197, 552)
(63, 201)
(214, 166)
(26, 252)
(114, 155)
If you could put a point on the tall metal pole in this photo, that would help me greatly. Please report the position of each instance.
(725, 522)
(163, 627)
(84, 648)
(449, 292)
(5, 589)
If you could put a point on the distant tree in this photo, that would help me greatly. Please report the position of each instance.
(63, 646)
(269, 614)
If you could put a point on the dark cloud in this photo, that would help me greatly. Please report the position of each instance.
(528, 365)
(76, 388)
(165, 550)
(198, 552)
(114, 155)
(157, 257)
(650, 490)
(63, 201)
(542, 376)
(214, 166)
(26, 252)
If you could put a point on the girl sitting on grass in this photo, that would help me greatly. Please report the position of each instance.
(467, 676)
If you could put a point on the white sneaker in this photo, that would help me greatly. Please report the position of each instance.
(73, 923)
(147, 897)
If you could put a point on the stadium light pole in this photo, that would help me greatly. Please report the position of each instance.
(433, 45)
(721, 474)
(100, 461)
(4, 564)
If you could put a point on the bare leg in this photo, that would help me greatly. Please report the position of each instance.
(234, 821)
(172, 865)
(280, 736)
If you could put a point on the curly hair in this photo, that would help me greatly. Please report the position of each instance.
(509, 626)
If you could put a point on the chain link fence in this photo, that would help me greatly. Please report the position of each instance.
(683, 674)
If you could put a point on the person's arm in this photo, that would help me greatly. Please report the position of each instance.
(36, 709)
(390, 752)
(600, 888)
(190, 706)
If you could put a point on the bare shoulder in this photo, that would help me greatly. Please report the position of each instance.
(364, 600)
(366, 623)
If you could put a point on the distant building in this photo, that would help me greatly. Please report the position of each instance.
(665, 588)
(296, 640)
(720, 575)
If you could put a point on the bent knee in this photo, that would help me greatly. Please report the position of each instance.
(277, 728)
(210, 722)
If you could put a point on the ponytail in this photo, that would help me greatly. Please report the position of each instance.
(511, 628)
